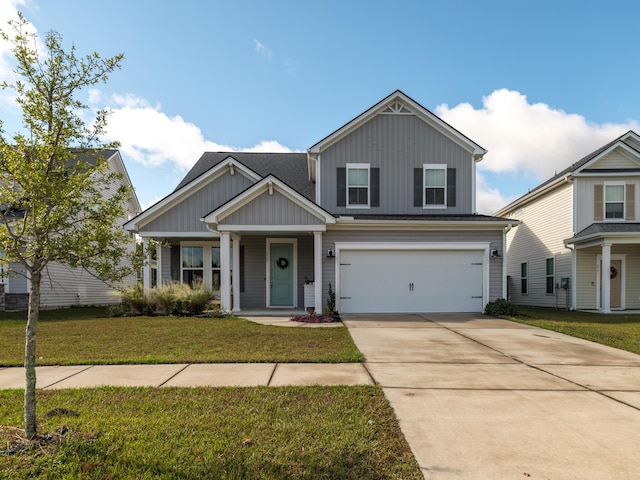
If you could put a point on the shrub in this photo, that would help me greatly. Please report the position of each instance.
(134, 297)
(501, 308)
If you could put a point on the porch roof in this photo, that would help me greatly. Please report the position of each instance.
(606, 232)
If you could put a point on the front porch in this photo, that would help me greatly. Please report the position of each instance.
(605, 259)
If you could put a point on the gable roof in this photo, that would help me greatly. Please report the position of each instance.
(267, 184)
(412, 107)
(629, 140)
(291, 168)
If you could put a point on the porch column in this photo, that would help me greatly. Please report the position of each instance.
(317, 271)
(225, 274)
(236, 273)
(605, 282)
(146, 269)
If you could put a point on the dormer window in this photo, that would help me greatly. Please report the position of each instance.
(358, 185)
(614, 201)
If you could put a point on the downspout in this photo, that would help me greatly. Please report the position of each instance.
(506, 230)
(572, 282)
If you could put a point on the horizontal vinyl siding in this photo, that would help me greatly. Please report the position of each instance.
(546, 223)
(614, 159)
(396, 144)
(585, 201)
(273, 209)
(492, 237)
(185, 216)
(63, 287)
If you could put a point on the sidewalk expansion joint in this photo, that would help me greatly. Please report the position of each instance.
(70, 376)
(273, 372)
(364, 365)
(174, 375)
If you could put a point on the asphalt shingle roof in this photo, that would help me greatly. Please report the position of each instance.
(291, 168)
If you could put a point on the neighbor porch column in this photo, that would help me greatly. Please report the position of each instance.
(236, 273)
(159, 264)
(605, 282)
(225, 273)
(146, 269)
(317, 271)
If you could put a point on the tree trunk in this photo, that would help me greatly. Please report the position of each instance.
(31, 427)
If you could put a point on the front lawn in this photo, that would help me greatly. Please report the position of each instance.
(84, 336)
(226, 433)
(616, 330)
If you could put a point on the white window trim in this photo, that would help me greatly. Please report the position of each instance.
(546, 275)
(524, 278)
(359, 166)
(207, 273)
(433, 166)
(604, 201)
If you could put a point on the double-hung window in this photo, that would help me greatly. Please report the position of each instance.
(358, 185)
(524, 277)
(614, 201)
(550, 275)
(435, 186)
(192, 264)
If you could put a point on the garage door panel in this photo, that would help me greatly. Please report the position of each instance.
(411, 281)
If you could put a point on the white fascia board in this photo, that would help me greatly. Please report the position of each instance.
(597, 239)
(118, 164)
(423, 225)
(273, 228)
(618, 145)
(259, 189)
(207, 234)
(196, 184)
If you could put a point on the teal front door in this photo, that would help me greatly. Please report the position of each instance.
(281, 274)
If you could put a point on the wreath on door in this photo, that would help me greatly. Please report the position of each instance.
(614, 273)
(282, 263)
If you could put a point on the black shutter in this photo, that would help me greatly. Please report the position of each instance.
(418, 184)
(341, 182)
(175, 263)
(451, 187)
(375, 187)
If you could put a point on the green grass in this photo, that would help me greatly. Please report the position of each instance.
(217, 433)
(82, 336)
(616, 330)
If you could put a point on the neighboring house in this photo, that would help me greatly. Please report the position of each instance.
(580, 225)
(382, 209)
(63, 286)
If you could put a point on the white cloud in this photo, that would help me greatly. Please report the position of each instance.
(488, 199)
(8, 12)
(528, 138)
(262, 50)
(152, 138)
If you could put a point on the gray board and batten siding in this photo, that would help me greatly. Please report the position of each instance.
(275, 209)
(397, 144)
(186, 215)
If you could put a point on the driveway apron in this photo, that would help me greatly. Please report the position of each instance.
(485, 398)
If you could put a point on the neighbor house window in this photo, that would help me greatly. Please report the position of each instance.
(524, 277)
(358, 185)
(551, 275)
(435, 186)
(192, 264)
(614, 201)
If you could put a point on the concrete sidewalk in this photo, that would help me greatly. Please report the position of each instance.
(190, 375)
(483, 398)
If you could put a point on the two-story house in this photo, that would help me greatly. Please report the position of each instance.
(581, 225)
(382, 209)
(64, 286)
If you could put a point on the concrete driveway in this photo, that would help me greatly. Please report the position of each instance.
(483, 398)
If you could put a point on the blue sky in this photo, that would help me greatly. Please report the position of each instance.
(538, 84)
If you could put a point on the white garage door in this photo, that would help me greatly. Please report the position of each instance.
(411, 281)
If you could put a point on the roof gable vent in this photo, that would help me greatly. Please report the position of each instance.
(396, 108)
